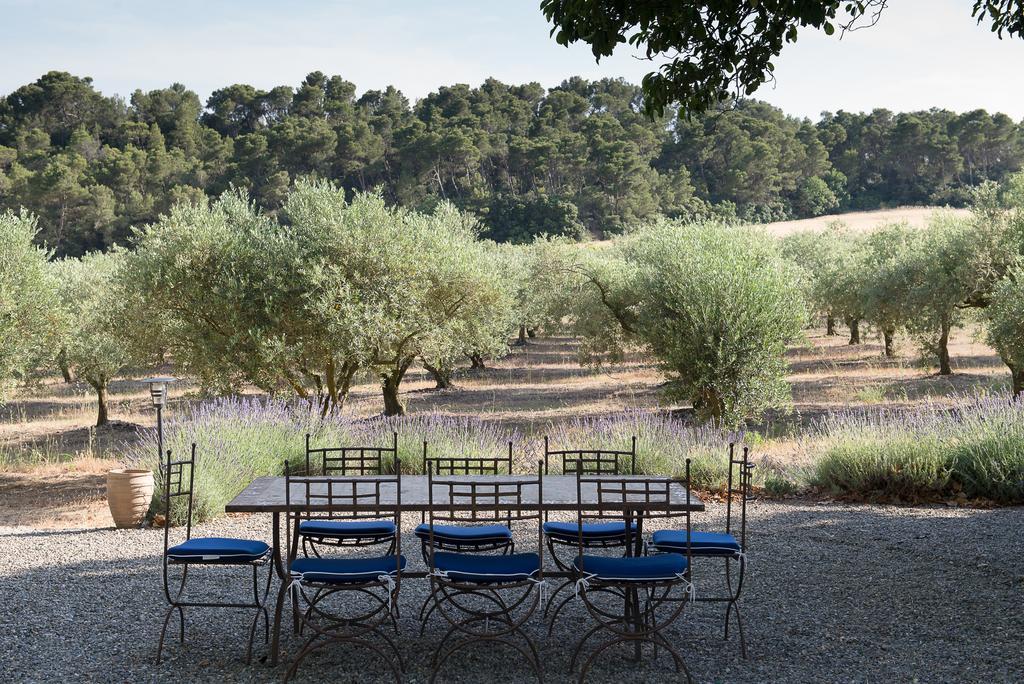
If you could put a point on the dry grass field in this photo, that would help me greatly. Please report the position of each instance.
(52, 463)
(862, 220)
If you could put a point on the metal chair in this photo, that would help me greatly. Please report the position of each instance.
(346, 461)
(632, 599)
(727, 546)
(463, 538)
(596, 535)
(486, 599)
(316, 581)
(179, 478)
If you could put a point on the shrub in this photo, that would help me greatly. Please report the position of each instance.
(663, 444)
(240, 439)
(976, 448)
(715, 304)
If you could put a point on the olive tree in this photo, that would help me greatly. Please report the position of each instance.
(1005, 325)
(833, 262)
(27, 298)
(716, 305)
(232, 291)
(92, 333)
(887, 279)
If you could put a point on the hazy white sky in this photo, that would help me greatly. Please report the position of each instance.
(923, 53)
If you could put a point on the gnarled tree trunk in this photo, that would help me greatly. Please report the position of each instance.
(887, 336)
(854, 325)
(390, 384)
(521, 342)
(476, 361)
(442, 376)
(830, 325)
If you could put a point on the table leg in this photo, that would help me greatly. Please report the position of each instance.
(638, 617)
(283, 576)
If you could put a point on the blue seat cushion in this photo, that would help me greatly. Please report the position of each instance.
(347, 528)
(345, 570)
(479, 569)
(701, 543)
(467, 535)
(592, 532)
(219, 549)
(664, 566)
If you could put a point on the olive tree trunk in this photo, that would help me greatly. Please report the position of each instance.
(830, 325)
(476, 361)
(442, 376)
(1017, 374)
(391, 381)
(887, 336)
(100, 385)
(854, 325)
(65, 367)
(521, 342)
(943, 349)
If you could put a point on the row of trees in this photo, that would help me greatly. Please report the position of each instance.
(925, 282)
(521, 159)
(332, 290)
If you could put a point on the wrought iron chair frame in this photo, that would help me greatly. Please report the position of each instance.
(353, 460)
(740, 484)
(443, 466)
(329, 627)
(482, 502)
(174, 476)
(596, 462)
(638, 623)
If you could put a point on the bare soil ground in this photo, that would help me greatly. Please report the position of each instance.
(52, 463)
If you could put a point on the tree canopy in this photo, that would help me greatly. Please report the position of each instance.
(575, 159)
(713, 50)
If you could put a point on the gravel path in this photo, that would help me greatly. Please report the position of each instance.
(835, 594)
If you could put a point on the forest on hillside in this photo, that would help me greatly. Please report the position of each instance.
(581, 157)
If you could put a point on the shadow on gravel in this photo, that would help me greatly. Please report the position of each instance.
(834, 593)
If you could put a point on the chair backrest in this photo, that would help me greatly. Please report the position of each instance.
(623, 498)
(179, 478)
(350, 460)
(455, 500)
(592, 461)
(740, 484)
(468, 465)
(361, 497)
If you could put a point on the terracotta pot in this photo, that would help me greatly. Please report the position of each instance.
(128, 494)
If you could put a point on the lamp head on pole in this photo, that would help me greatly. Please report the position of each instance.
(158, 389)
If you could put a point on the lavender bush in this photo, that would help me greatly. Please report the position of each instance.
(240, 439)
(977, 448)
(663, 443)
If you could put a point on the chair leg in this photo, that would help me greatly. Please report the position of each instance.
(278, 610)
(163, 633)
(733, 603)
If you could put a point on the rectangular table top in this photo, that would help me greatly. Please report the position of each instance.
(266, 494)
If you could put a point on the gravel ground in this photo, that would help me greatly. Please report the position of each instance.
(835, 593)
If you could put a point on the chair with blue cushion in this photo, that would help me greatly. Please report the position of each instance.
(368, 584)
(316, 534)
(464, 538)
(486, 599)
(730, 546)
(596, 535)
(632, 599)
(178, 481)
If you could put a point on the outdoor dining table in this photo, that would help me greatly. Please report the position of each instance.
(267, 495)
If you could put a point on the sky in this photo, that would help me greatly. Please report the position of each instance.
(922, 54)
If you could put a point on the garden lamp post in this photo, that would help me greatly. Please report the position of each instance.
(158, 392)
